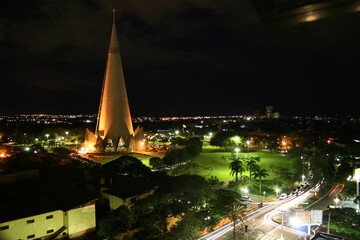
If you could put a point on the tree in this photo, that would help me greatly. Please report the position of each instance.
(236, 167)
(156, 162)
(127, 165)
(251, 165)
(345, 222)
(260, 173)
(227, 203)
(188, 228)
(119, 221)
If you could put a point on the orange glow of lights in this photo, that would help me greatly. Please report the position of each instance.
(310, 18)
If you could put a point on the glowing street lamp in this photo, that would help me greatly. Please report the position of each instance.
(47, 136)
(264, 192)
(336, 202)
(248, 144)
(277, 190)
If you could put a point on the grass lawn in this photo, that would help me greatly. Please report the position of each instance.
(214, 162)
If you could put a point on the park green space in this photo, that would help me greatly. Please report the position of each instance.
(213, 161)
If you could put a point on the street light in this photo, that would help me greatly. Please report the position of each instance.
(277, 190)
(248, 144)
(264, 192)
(336, 202)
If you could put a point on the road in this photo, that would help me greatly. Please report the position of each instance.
(265, 223)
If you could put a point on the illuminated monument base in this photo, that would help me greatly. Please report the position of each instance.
(96, 144)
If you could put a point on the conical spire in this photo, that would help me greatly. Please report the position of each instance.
(114, 119)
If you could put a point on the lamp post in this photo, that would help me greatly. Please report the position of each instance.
(237, 152)
(336, 202)
(248, 144)
(328, 226)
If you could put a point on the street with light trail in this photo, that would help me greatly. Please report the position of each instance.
(261, 224)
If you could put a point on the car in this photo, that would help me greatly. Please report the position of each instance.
(295, 190)
(246, 199)
(331, 206)
(283, 196)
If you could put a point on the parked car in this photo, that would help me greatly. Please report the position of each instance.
(246, 199)
(283, 196)
(331, 206)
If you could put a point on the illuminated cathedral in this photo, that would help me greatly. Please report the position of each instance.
(114, 130)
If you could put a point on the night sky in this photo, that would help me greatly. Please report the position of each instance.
(180, 58)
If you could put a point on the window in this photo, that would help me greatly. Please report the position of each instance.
(30, 221)
(4, 227)
(49, 217)
(31, 236)
(50, 231)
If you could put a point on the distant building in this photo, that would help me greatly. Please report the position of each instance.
(114, 130)
(276, 115)
(269, 111)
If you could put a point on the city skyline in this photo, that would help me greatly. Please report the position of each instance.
(185, 58)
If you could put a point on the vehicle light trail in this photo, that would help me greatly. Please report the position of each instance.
(270, 211)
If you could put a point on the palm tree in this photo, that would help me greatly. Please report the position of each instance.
(236, 167)
(260, 173)
(251, 165)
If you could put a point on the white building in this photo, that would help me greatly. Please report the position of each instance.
(72, 223)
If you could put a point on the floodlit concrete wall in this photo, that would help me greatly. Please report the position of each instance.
(80, 220)
(77, 222)
(114, 201)
(32, 227)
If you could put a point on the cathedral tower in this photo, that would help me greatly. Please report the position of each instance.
(114, 129)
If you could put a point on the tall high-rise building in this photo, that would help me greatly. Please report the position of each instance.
(269, 111)
(114, 129)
